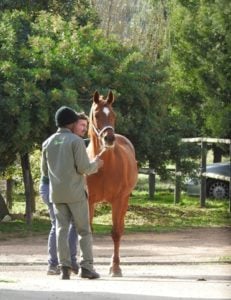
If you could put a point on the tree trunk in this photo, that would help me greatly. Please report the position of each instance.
(109, 18)
(3, 208)
(28, 185)
(9, 188)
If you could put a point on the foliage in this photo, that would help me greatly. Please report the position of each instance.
(79, 10)
(31, 87)
(145, 24)
(200, 67)
(141, 23)
(53, 54)
(48, 61)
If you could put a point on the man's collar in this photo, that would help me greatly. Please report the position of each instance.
(63, 129)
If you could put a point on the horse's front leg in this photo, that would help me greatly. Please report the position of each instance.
(115, 270)
(118, 215)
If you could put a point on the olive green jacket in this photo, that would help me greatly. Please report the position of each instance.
(65, 161)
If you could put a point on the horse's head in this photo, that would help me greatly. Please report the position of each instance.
(102, 119)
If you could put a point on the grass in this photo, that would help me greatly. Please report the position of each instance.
(160, 214)
(7, 281)
(226, 259)
(143, 215)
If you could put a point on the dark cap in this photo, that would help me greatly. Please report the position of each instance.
(64, 116)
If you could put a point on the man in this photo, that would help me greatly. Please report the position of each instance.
(53, 268)
(65, 162)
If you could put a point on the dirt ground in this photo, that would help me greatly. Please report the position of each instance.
(188, 264)
(185, 246)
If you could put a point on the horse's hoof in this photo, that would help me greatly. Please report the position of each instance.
(117, 273)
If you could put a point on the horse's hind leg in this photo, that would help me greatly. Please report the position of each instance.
(119, 209)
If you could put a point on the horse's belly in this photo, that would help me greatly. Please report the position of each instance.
(105, 186)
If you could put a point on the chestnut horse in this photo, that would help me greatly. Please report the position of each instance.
(115, 181)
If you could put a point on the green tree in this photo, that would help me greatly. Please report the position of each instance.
(200, 67)
(143, 90)
(80, 10)
(23, 92)
(48, 60)
(141, 23)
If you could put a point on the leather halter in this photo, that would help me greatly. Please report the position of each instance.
(99, 132)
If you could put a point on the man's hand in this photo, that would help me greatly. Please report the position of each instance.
(99, 161)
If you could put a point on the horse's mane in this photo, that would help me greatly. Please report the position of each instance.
(90, 122)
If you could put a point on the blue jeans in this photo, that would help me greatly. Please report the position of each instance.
(72, 236)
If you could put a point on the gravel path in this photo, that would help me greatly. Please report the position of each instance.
(189, 264)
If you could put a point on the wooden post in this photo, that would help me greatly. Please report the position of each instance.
(203, 170)
(152, 183)
(26, 178)
(177, 190)
(9, 188)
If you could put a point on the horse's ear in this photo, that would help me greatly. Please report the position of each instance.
(110, 98)
(96, 97)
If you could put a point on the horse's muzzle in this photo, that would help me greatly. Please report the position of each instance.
(109, 139)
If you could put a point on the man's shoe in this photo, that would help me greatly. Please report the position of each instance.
(89, 274)
(75, 269)
(65, 272)
(53, 270)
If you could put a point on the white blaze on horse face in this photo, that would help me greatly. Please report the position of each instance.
(106, 110)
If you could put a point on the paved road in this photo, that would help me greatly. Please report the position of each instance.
(179, 265)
